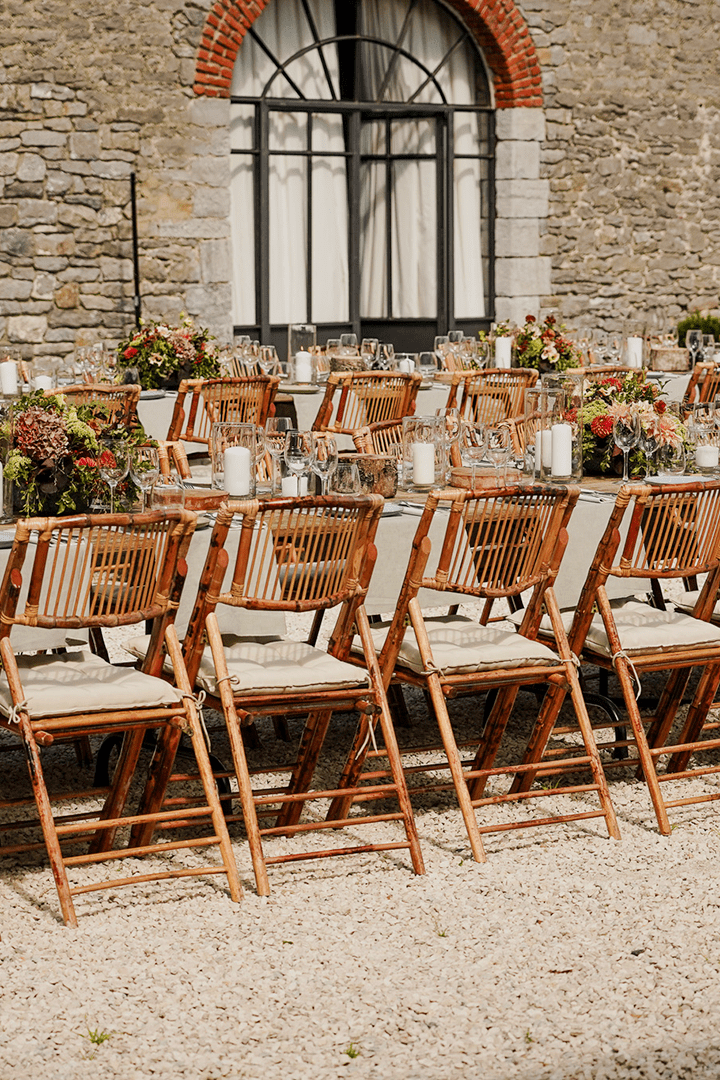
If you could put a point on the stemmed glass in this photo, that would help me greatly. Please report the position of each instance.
(144, 469)
(276, 428)
(324, 460)
(268, 359)
(472, 445)
(449, 421)
(626, 433)
(648, 443)
(114, 465)
(694, 344)
(498, 447)
(298, 453)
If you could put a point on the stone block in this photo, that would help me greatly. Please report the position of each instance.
(43, 286)
(9, 163)
(517, 160)
(215, 261)
(517, 237)
(110, 170)
(23, 329)
(520, 124)
(13, 289)
(209, 112)
(522, 198)
(67, 295)
(8, 215)
(522, 277)
(97, 303)
(115, 269)
(42, 137)
(31, 167)
(513, 309)
(55, 243)
(48, 91)
(37, 212)
(212, 202)
(18, 242)
(84, 145)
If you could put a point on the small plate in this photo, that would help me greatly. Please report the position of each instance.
(7, 537)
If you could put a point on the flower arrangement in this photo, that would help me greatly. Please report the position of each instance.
(543, 345)
(616, 396)
(162, 355)
(56, 454)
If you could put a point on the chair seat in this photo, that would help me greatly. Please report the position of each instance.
(688, 601)
(81, 682)
(642, 628)
(462, 645)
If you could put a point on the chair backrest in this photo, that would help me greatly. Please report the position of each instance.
(204, 402)
(491, 395)
(354, 399)
(704, 383)
(383, 438)
(297, 554)
(98, 570)
(120, 400)
(673, 532)
(498, 543)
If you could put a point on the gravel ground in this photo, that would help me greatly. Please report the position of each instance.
(567, 955)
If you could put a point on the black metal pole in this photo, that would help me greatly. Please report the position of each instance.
(136, 256)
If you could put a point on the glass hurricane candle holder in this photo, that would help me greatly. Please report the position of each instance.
(234, 452)
(423, 452)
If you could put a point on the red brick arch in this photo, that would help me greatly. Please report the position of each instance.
(497, 25)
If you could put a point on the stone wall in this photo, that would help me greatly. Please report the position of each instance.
(607, 197)
(631, 154)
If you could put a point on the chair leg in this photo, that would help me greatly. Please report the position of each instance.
(646, 760)
(156, 784)
(492, 737)
(115, 803)
(696, 717)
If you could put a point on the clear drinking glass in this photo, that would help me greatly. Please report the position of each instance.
(144, 469)
(114, 465)
(498, 447)
(626, 433)
(268, 359)
(472, 445)
(276, 428)
(324, 460)
(694, 344)
(346, 478)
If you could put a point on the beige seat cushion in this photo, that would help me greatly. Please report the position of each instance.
(461, 645)
(688, 601)
(280, 666)
(81, 682)
(642, 628)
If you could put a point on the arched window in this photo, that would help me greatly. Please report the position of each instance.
(362, 171)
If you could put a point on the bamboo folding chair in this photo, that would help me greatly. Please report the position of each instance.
(354, 399)
(490, 395)
(101, 571)
(306, 554)
(673, 534)
(385, 438)
(204, 402)
(497, 544)
(704, 384)
(120, 400)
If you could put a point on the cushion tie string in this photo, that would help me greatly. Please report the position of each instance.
(14, 714)
(369, 734)
(633, 670)
(198, 701)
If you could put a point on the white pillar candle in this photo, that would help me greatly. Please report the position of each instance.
(237, 463)
(9, 377)
(423, 458)
(303, 367)
(706, 456)
(407, 366)
(503, 352)
(546, 448)
(289, 485)
(302, 485)
(42, 382)
(561, 449)
(635, 352)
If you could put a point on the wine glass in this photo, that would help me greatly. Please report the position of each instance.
(626, 433)
(497, 449)
(449, 421)
(368, 350)
(144, 469)
(298, 454)
(648, 443)
(268, 359)
(324, 460)
(276, 428)
(386, 356)
(472, 445)
(113, 464)
(694, 344)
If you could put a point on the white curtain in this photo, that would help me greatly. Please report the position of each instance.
(429, 36)
(283, 27)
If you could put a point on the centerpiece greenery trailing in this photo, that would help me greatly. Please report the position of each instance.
(158, 356)
(56, 453)
(615, 396)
